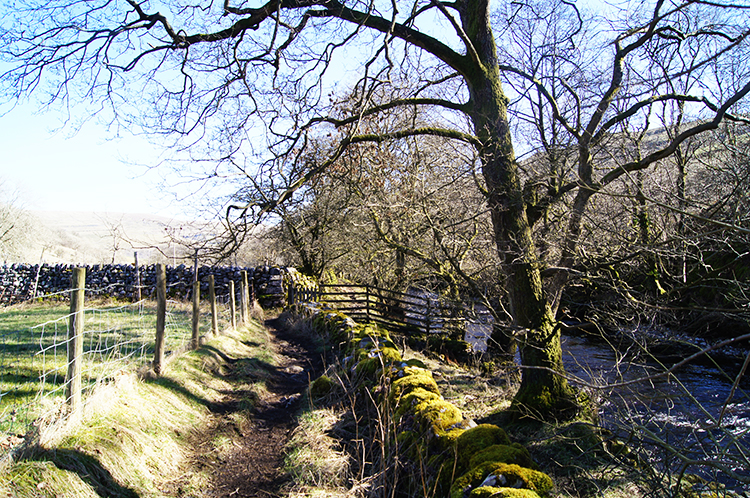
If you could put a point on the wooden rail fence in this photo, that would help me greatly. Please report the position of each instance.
(410, 312)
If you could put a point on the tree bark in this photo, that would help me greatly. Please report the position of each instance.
(544, 392)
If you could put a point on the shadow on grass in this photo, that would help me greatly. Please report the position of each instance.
(88, 468)
(176, 387)
(31, 376)
(205, 350)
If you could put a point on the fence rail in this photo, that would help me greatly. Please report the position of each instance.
(406, 312)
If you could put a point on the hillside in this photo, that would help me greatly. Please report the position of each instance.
(88, 237)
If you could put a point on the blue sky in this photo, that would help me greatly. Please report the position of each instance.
(87, 171)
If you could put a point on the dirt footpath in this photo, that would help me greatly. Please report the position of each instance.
(252, 463)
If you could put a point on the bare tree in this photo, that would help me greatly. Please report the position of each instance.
(317, 228)
(115, 234)
(16, 225)
(217, 74)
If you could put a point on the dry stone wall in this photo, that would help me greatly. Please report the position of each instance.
(459, 458)
(21, 282)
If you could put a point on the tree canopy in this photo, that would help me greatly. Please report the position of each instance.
(253, 85)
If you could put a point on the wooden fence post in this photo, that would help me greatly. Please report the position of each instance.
(75, 341)
(214, 311)
(244, 311)
(195, 341)
(292, 294)
(252, 296)
(367, 302)
(242, 301)
(161, 316)
(428, 315)
(137, 290)
(232, 305)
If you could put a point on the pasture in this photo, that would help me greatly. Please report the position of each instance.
(118, 338)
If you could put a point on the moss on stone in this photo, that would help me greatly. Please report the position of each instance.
(503, 453)
(371, 332)
(476, 439)
(406, 438)
(416, 363)
(372, 362)
(417, 378)
(437, 414)
(475, 453)
(333, 323)
(448, 439)
(408, 442)
(388, 343)
(505, 475)
(409, 401)
(405, 369)
(490, 491)
(321, 386)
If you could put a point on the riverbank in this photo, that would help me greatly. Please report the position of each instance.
(693, 419)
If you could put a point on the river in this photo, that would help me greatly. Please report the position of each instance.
(693, 419)
(694, 415)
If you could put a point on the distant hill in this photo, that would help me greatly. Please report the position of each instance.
(95, 238)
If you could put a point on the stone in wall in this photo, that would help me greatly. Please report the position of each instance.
(21, 282)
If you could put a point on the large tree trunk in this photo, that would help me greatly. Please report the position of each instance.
(544, 392)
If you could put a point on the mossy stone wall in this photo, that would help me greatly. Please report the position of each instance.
(463, 459)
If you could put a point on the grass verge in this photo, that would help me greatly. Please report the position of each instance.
(136, 435)
(118, 336)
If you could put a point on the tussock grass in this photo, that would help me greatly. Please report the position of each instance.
(314, 459)
(33, 357)
(134, 437)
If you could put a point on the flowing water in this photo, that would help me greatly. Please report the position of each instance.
(696, 419)
(695, 415)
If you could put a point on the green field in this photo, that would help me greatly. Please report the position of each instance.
(33, 352)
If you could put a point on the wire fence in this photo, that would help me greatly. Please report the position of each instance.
(35, 340)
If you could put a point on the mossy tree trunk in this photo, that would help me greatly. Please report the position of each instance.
(645, 236)
(543, 391)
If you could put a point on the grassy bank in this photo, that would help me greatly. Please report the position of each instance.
(137, 435)
(33, 354)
